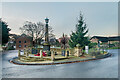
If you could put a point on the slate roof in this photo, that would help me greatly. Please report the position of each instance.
(115, 38)
(105, 39)
(24, 35)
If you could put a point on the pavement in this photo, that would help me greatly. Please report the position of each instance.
(0, 48)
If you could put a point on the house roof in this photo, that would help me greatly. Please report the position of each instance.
(115, 38)
(100, 38)
(24, 35)
(105, 39)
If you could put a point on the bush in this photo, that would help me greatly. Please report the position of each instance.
(48, 53)
(114, 48)
(95, 53)
(92, 45)
(10, 48)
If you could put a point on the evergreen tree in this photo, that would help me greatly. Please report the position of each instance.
(5, 31)
(78, 37)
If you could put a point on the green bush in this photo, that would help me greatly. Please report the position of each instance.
(10, 48)
(92, 45)
(114, 48)
(95, 53)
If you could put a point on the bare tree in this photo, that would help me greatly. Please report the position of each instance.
(35, 30)
(64, 41)
(39, 31)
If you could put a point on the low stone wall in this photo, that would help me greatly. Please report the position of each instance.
(61, 62)
(103, 56)
(59, 50)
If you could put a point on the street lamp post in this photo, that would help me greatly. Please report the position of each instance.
(46, 45)
(46, 30)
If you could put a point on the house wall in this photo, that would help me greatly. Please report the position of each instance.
(94, 40)
(111, 42)
(21, 45)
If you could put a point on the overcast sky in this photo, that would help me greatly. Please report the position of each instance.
(101, 17)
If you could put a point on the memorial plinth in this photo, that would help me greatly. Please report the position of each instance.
(46, 47)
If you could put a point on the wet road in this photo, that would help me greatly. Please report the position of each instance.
(103, 68)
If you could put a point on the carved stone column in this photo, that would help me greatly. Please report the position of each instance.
(52, 56)
(41, 55)
(19, 54)
(24, 52)
(66, 54)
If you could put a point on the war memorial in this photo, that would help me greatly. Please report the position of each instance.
(47, 55)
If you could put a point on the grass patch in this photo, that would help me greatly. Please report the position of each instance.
(114, 48)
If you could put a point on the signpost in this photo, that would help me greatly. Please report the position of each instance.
(87, 49)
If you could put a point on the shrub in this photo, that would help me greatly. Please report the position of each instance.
(95, 53)
(10, 48)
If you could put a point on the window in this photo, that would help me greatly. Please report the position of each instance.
(25, 41)
(24, 45)
(19, 46)
(19, 41)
